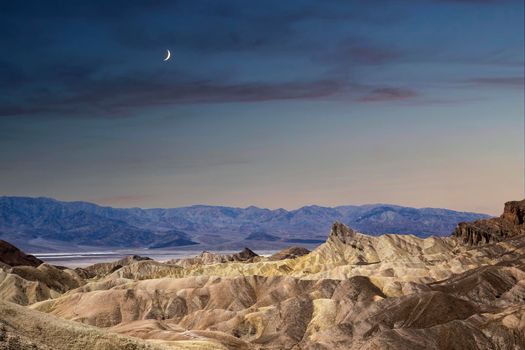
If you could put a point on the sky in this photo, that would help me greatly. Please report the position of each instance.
(267, 103)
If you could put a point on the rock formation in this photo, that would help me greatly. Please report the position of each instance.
(341, 232)
(289, 253)
(509, 224)
(103, 269)
(208, 258)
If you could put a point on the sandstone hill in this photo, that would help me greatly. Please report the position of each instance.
(24, 329)
(353, 292)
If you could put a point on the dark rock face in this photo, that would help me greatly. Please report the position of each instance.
(341, 232)
(245, 255)
(509, 224)
(12, 256)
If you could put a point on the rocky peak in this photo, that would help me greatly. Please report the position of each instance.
(245, 254)
(509, 224)
(341, 232)
(514, 212)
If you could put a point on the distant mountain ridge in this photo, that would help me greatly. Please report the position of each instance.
(34, 223)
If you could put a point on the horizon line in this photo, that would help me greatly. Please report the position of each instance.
(237, 207)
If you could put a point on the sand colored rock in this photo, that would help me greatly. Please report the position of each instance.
(22, 328)
(25, 285)
(208, 258)
(103, 269)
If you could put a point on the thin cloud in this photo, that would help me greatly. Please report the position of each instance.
(117, 96)
(516, 82)
(388, 94)
(358, 51)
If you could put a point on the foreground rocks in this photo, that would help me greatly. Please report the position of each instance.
(24, 329)
(352, 292)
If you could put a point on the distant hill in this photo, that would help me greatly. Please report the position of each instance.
(47, 224)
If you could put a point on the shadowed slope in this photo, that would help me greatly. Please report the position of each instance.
(12, 256)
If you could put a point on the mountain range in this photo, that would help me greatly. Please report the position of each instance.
(45, 224)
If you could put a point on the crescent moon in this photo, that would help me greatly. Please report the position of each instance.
(168, 56)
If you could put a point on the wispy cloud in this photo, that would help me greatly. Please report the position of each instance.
(389, 94)
(120, 95)
(514, 82)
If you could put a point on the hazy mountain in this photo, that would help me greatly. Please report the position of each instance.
(46, 223)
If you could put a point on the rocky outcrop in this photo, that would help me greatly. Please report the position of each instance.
(209, 258)
(514, 212)
(244, 255)
(103, 269)
(12, 256)
(289, 253)
(341, 232)
(509, 224)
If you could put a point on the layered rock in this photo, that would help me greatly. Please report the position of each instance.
(515, 212)
(24, 329)
(24, 279)
(26, 285)
(103, 269)
(509, 224)
(482, 309)
(208, 258)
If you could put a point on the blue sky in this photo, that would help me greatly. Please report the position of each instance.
(270, 103)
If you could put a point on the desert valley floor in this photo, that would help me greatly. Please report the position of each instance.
(466, 291)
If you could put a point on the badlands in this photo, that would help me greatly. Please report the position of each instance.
(355, 291)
